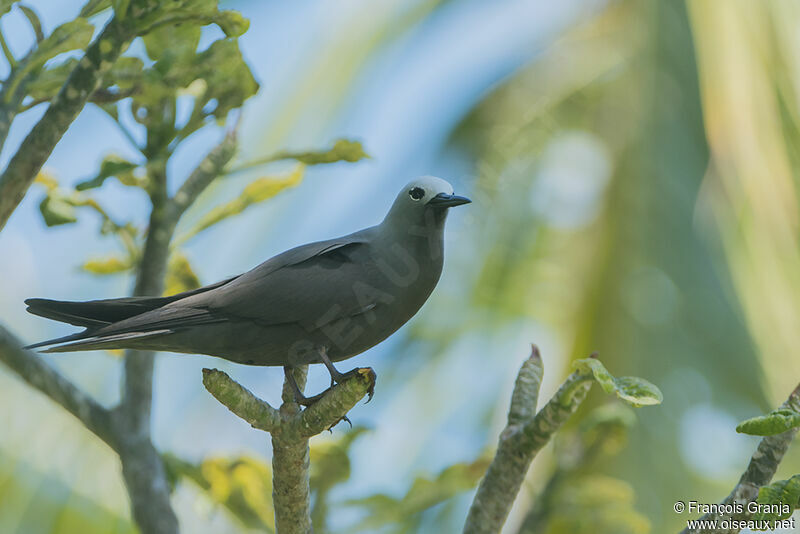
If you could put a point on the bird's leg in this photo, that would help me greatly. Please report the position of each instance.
(337, 377)
(298, 395)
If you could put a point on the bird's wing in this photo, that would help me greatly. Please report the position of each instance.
(299, 286)
(311, 286)
(99, 313)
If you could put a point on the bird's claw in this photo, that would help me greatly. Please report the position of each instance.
(367, 372)
(342, 418)
(372, 377)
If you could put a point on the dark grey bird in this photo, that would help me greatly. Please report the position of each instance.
(317, 303)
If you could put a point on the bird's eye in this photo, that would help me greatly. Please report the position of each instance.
(416, 193)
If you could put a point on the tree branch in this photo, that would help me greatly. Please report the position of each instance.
(142, 467)
(290, 429)
(520, 441)
(43, 377)
(205, 173)
(241, 401)
(759, 472)
(65, 107)
(331, 408)
(290, 469)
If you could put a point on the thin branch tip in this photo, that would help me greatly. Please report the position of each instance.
(209, 374)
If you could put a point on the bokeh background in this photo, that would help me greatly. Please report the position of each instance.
(633, 166)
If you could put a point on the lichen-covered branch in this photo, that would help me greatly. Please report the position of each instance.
(241, 401)
(759, 472)
(330, 409)
(520, 441)
(65, 107)
(43, 377)
(290, 428)
(526, 389)
(291, 493)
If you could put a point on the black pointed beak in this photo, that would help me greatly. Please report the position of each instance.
(443, 200)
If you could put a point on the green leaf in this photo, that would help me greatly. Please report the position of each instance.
(255, 192)
(635, 391)
(120, 8)
(126, 73)
(112, 165)
(109, 265)
(195, 13)
(228, 79)
(778, 500)
(342, 150)
(93, 7)
(232, 23)
(49, 82)
(180, 275)
(33, 18)
(423, 494)
(57, 211)
(774, 422)
(71, 35)
(6, 5)
(173, 39)
(217, 78)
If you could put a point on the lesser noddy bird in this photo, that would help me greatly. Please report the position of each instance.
(317, 303)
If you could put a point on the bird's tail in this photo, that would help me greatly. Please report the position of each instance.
(92, 315)
(96, 315)
(88, 341)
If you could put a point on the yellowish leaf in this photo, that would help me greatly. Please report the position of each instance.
(180, 275)
(257, 191)
(110, 265)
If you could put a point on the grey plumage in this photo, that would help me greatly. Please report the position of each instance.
(342, 296)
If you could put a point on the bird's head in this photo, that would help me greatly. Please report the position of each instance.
(423, 198)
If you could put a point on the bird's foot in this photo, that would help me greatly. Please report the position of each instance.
(338, 377)
(367, 372)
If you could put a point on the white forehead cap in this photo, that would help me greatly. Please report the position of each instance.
(432, 186)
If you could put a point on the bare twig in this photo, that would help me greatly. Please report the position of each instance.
(759, 472)
(522, 439)
(209, 169)
(43, 377)
(241, 401)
